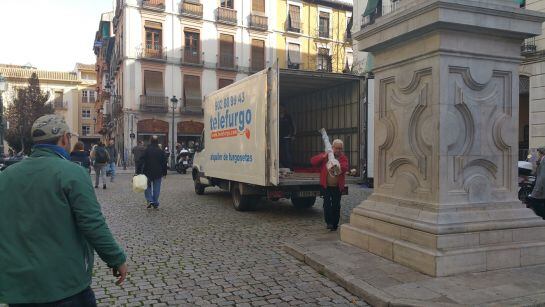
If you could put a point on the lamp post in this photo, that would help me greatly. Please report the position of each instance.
(3, 87)
(174, 102)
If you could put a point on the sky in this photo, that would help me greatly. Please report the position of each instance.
(49, 34)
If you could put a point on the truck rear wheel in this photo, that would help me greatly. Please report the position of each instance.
(242, 202)
(303, 202)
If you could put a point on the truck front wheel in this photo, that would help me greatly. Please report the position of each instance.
(303, 202)
(242, 202)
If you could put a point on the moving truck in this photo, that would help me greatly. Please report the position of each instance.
(239, 148)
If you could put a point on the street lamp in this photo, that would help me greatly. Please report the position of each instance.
(174, 102)
(3, 88)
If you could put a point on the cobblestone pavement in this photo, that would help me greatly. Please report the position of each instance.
(197, 250)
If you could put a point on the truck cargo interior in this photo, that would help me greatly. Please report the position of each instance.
(317, 100)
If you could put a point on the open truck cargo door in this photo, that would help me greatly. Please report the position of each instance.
(273, 114)
(236, 131)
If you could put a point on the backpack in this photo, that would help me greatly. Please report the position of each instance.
(101, 156)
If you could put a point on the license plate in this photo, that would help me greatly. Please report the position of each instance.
(308, 193)
(184, 163)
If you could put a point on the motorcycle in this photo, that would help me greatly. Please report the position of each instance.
(183, 161)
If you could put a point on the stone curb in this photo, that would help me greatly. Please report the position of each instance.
(376, 297)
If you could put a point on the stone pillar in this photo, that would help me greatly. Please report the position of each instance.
(446, 148)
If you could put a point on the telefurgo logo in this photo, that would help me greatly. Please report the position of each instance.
(226, 123)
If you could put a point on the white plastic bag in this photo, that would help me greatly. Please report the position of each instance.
(139, 183)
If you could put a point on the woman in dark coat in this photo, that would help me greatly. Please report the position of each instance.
(80, 156)
(153, 164)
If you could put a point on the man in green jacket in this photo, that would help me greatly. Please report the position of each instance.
(50, 224)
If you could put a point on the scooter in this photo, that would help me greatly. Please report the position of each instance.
(183, 161)
(525, 180)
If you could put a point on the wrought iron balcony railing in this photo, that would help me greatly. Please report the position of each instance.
(529, 46)
(191, 9)
(227, 62)
(227, 16)
(157, 104)
(294, 26)
(192, 57)
(258, 22)
(154, 4)
(192, 106)
(150, 52)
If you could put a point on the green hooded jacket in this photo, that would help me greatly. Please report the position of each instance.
(50, 223)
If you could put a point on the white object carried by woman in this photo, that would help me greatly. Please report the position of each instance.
(139, 183)
(333, 165)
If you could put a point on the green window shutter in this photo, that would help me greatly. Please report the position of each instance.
(370, 62)
(371, 7)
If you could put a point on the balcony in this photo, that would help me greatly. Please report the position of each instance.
(152, 54)
(294, 27)
(192, 58)
(258, 22)
(227, 16)
(226, 62)
(323, 33)
(292, 65)
(191, 9)
(155, 104)
(60, 105)
(192, 106)
(529, 46)
(158, 5)
(380, 11)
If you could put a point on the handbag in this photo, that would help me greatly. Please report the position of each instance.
(139, 183)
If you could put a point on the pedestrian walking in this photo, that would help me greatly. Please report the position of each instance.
(80, 156)
(100, 158)
(153, 164)
(537, 197)
(137, 152)
(332, 186)
(112, 152)
(51, 225)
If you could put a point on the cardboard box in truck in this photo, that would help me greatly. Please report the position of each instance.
(240, 144)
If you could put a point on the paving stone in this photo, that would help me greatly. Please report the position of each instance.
(197, 250)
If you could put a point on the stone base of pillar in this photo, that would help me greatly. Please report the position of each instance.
(450, 241)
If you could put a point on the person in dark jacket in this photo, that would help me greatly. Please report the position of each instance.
(153, 164)
(138, 151)
(51, 226)
(286, 134)
(332, 186)
(80, 156)
(537, 197)
(112, 153)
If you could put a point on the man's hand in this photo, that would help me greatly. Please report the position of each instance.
(120, 272)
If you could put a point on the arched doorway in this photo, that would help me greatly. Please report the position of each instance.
(146, 128)
(189, 132)
(524, 117)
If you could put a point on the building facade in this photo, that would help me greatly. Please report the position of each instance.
(66, 93)
(152, 51)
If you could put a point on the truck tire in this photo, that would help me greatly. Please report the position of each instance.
(303, 202)
(242, 202)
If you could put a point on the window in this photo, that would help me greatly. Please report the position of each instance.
(227, 3)
(92, 96)
(86, 113)
(85, 130)
(153, 83)
(258, 6)
(323, 60)
(154, 45)
(58, 97)
(192, 91)
(227, 50)
(294, 18)
(191, 47)
(293, 56)
(258, 54)
(87, 96)
(224, 82)
(324, 25)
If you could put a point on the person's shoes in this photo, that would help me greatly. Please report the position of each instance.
(333, 228)
(104, 187)
(155, 206)
(149, 205)
(96, 186)
(329, 226)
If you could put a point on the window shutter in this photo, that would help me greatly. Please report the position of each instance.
(295, 19)
(153, 83)
(258, 6)
(224, 82)
(258, 53)
(153, 25)
(324, 15)
(192, 91)
(293, 53)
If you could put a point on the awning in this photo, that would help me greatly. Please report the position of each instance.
(371, 7)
